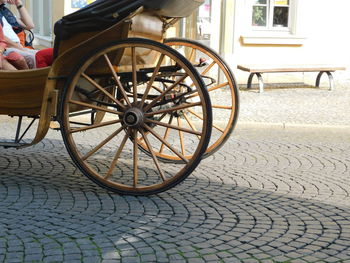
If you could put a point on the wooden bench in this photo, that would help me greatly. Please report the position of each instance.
(259, 69)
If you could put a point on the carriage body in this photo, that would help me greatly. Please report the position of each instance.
(139, 84)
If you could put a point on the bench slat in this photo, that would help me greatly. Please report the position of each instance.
(288, 68)
(259, 69)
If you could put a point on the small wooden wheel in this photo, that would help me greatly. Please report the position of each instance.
(221, 85)
(151, 85)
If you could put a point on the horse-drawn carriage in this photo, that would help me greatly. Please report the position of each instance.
(135, 110)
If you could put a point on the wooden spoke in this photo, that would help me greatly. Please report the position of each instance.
(181, 136)
(222, 107)
(180, 107)
(191, 124)
(162, 117)
(165, 142)
(209, 90)
(117, 155)
(154, 157)
(218, 86)
(103, 90)
(134, 73)
(178, 128)
(104, 142)
(208, 68)
(165, 92)
(201, 117)
(87, 105)
(166, 134)
(119, 84)
(94, 126)
(135, 159)
(218, 128)
(157, 89)
(150, 83)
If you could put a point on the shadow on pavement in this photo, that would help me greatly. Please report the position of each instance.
(50, 212)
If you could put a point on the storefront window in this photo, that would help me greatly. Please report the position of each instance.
(199, 25)
(204, 26)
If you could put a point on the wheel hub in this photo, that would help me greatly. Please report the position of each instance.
(133, 117)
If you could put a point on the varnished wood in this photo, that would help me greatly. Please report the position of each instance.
(217, 69)
(101, 144)
(135, 159)
(176, 108)
(116, 78)
(88, 106)
(117, 155)
(99, 125)
(166, 134)
(22, 91)
(150, 83)
(154, 157)
(165, 142)
(181, 136)
(178, 128)
(288, 68)
(191, 124)
(165, 92)
(105, 92)
(202, 118)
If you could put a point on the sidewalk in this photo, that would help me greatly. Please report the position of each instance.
(296, 106)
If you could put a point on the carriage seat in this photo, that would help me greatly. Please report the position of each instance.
(95, 17)
(104, 13)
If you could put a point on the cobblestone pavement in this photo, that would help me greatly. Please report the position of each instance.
(304, 105)
(269, 195)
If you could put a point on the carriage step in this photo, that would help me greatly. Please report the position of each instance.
(12, 144)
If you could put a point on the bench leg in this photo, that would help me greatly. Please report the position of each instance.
(261, 81)
(330, 77)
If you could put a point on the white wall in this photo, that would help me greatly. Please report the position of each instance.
(324, 24)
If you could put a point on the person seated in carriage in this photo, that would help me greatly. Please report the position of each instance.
(34, 58)
(9, 22)
(11, 61)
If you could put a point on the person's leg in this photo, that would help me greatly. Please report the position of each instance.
(29, 55)
(44, 58)
(7, 66)
(17, 60)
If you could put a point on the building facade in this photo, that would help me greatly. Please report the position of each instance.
(276, 32)
(247, 31)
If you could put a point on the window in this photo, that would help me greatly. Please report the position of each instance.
(271, 14)
(41, 11)
(272, 22)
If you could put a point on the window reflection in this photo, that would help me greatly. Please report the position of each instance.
(280, 17)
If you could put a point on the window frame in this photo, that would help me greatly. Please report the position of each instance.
(263, 36)
(270, 6)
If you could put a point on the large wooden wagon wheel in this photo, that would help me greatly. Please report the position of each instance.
(153, 84)
(222, 88)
